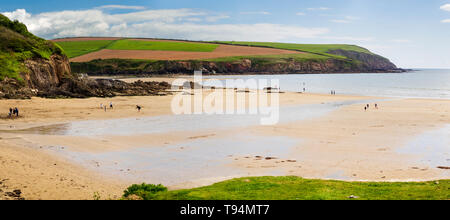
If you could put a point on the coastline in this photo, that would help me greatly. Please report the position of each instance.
(325, 151)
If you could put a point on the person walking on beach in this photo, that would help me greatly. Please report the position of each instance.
(16, 112)
(376, 105)
(10, 112)
(101, 105)
(138, 108)
(111, 105)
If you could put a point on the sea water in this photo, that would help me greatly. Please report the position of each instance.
(422, 83)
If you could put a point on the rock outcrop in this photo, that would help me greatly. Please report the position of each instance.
(43, 74)
(369, 62)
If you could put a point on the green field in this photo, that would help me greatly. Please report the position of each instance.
(78, 48)
(162, 45)
(295, 188)
(321, 49)
(313, 51)
(266, 59)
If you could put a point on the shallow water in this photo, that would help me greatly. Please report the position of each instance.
(425, 83)
(188, 161)
(174, 123)
(430, 148)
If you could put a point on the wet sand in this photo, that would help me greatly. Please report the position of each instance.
(345, 143)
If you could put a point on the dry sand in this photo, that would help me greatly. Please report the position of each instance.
(347, 142)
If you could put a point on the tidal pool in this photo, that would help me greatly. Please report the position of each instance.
(431, 148)
(184, 162)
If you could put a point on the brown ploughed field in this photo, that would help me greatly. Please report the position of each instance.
(221, 51)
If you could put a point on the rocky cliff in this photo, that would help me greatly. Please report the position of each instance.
(42, 73)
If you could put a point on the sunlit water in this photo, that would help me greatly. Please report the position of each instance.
(426, 83)
(431, 148)
(174, 123)
(187, 161)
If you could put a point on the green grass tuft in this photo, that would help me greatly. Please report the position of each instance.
(295, 188)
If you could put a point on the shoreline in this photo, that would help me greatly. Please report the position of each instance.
(45, 111)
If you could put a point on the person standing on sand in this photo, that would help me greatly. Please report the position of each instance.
(101, 105)
(10, 112)
(138, 108)
(111, 105)
(376, 105)
(16, 111)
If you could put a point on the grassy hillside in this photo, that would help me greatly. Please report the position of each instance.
(78, 48)
(281, 58)
(295, 188)
(312, 52)
(18, 45)
(320, 49)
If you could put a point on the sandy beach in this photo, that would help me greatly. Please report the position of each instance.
(345, 143)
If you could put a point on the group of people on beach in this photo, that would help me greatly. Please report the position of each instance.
(333, 92)
(105, 107)
(367, 107)
(13, 112)
(111, 106)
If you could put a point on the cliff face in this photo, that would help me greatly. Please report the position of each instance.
(369, 61)
(43, 74)
(38, 75)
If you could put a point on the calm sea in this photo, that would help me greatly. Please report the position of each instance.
(423, 83)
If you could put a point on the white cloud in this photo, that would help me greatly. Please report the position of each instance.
(300, 14)
(122, 7)
(174, 24)
(216, 18)
(255, 13)
(401, 41)
(349, 39)
(342, 21)
(345, 20)
(445, 7)
(319, 9)
(446, 21)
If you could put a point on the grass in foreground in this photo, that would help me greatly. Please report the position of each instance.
(295, 188)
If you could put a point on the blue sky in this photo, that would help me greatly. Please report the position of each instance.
(412, 33)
